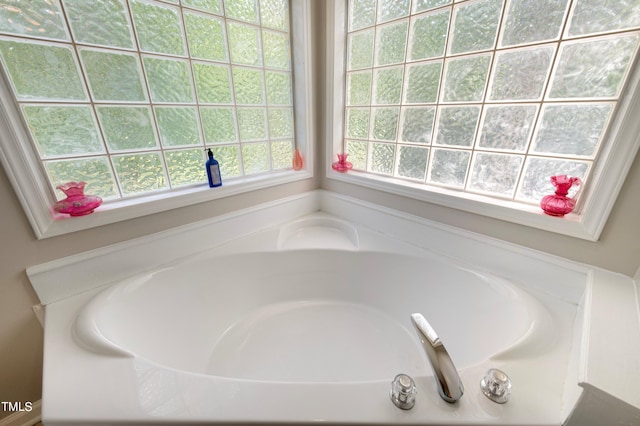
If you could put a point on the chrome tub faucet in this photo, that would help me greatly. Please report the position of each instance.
(447, 378)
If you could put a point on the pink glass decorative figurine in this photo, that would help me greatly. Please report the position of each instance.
(342, 165)
(76, 203)
(560, 203)
(297, 162)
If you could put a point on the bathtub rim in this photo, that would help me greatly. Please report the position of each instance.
(65, 277)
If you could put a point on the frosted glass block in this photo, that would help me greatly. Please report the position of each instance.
(421, 5)
(280, 123)
(359, 88)
(139, 173)
(127, 128)
(449, 167)
(42, 72)
(113, 76)
(103, 23)
(357, 151)
(417, 124)
(475, 26)
(278, 88)
(185, 167)
(244, 44)
(529, 22)
(275, 14)
(276, 50)
(244, 10)
(593, 68)
(255, 158)
(391, 43)
(412, 162)
(457, 125)
(227, 156)
(385, 123)
(507, 127)
(206, 37)
(571, 129)
(281, 154)
(392, 9)
(252, 123)
(382, 158)
(521, 74)
(33, 18)
(95, 171)
(219, 124)
(360, 50)
(213, 83)
(169, 79)
(247, 84)
(465, 78)
(212, 6)
(63, 130)
(495, 173)
(178, 126)
(423, 81)
(159, 28)
(362, 13)
(595, 16)
(429, 35)
(387, 86)
(535, 182)
(358, 123)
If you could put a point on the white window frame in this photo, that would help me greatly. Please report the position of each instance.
(596, 200)
(23, 168)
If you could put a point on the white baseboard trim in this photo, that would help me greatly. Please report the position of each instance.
(24, 418)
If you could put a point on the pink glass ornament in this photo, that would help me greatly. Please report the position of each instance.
(76, 203)
(560, 203)
(342, 165)
(297, 162)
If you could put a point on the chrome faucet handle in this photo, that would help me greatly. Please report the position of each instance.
(403, 392)
(496, 386)
(447, 378)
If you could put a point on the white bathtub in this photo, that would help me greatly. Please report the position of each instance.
(298, 324)
(311, 317)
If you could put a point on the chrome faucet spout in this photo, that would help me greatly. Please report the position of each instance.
(447, 378)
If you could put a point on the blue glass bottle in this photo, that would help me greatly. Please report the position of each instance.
(213, 170)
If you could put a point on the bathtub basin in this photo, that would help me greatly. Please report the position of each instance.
(310, 316)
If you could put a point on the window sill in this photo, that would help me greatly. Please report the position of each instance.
(573, 224)
(113, 212)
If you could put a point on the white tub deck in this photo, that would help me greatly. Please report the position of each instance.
(548, 321)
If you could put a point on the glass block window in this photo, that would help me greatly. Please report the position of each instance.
(127, 95)
(484, 96)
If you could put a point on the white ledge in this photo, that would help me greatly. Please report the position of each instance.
(571, 225)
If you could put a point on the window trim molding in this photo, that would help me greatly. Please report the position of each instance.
(597, 198)
(24, 171)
